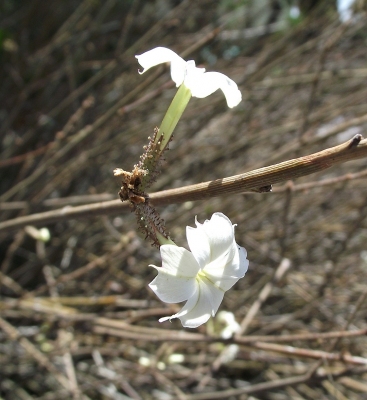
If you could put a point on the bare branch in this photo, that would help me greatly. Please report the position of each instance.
(353, 149)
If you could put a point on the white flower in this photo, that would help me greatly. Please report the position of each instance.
(200, 83)
(201, 276)
(231, 326)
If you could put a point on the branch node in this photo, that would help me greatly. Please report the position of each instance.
(355, 141)
(263, 189)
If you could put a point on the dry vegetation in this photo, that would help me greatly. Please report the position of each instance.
(77, 318)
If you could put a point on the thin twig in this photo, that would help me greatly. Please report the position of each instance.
(263, 295)
(120, 328)
(308, 353)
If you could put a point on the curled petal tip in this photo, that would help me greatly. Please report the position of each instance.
(234, 100)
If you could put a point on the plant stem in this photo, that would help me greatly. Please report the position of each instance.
(288, 170)
(173, 115)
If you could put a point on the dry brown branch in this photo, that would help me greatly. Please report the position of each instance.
(264, 177)
(97, 198)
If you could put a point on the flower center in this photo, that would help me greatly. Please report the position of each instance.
(202, 276)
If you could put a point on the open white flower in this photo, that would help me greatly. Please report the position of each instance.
(200, 83)
(201, 276)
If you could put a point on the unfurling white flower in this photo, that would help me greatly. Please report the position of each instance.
(216, 262)
(200, 83)
(231, 326)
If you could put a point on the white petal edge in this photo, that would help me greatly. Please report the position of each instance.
(172, 289)
(220, 232)
(225, 275)
(178, 261)
(199, 244)
(175, 281)
(205, 84)
(200, 307)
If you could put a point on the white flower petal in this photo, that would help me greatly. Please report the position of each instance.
(200, 307)
(199, 244)
(178, 261)
(225, 271)
(203, 85)
(220, 233)
(160, 55)
(175, 281)
(172, 289)
(178, 70)
(243, 267)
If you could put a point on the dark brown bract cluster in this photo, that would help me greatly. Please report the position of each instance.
(134, 185)
(130, 185)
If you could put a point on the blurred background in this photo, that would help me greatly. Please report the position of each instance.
(78, 319)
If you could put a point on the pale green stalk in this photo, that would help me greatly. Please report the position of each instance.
(173, 114)
(163, 240)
